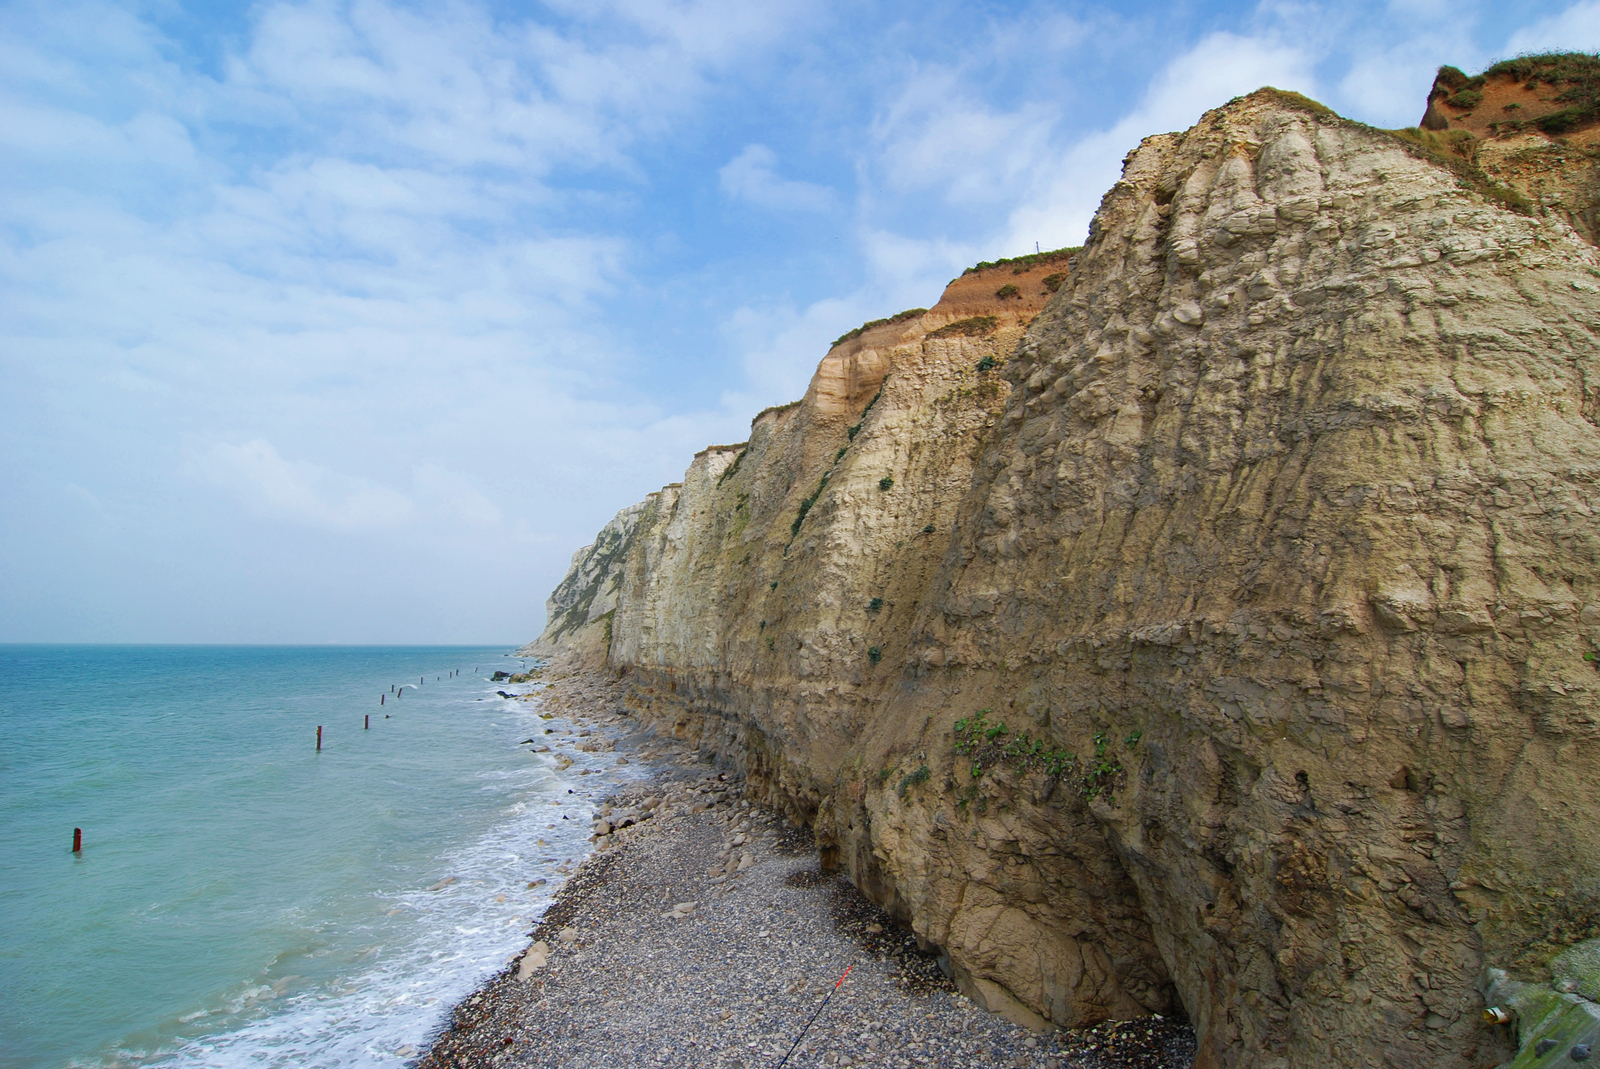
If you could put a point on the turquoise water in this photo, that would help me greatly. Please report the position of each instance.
(242, 900)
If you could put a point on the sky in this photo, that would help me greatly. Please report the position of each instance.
(348, 322)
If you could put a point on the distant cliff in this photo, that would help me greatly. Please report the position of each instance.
(1211, 623)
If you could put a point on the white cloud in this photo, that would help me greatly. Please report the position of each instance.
(301, 492)
(1577, 29)
(936, 135)
(752, 176)
(415, 276)
(1219, 67)
(342, 266)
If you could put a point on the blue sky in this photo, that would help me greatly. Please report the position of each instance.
(349, 322)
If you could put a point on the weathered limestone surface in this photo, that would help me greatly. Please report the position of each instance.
(587, 595)
(1279, 517)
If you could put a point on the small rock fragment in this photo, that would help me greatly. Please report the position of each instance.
(534, 958)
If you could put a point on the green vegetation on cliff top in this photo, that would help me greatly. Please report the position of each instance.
(1019, 264)
(975, 327)
(898, 317)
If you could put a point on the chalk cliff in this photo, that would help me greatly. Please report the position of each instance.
(1211, 627)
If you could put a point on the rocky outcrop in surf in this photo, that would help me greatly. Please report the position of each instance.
(1210, 625)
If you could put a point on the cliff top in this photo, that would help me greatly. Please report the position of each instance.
(1556, 95)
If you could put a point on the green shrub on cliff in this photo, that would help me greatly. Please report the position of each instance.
(974, 327)
(913, 779)
(990, 745)
(1559, 122)
(805, 507)
(986, 744)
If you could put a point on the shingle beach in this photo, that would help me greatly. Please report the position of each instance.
(703, 933)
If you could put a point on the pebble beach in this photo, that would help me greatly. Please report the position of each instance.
(702, 932)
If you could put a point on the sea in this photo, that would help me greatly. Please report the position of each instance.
(242, 899)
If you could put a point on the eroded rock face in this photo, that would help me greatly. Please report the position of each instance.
(1272, 546)
(578, 610)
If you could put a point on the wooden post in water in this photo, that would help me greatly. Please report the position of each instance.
(319, 738)
(77, 840)
(367, 722)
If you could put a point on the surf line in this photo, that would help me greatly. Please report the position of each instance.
(814, 1017)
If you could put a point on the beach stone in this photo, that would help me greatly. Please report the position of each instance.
(442, 884)
(602, 827)
(568, 935)
(534, 958)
